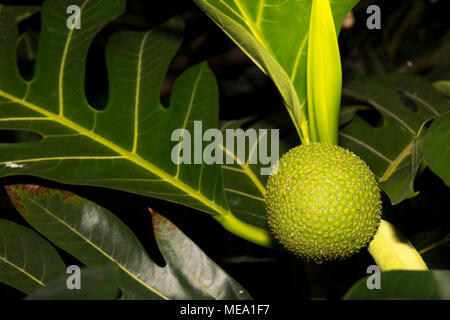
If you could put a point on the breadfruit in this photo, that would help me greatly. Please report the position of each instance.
(323, 202)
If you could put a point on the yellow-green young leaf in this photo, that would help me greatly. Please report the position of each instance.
(324, 74)
(274, 34)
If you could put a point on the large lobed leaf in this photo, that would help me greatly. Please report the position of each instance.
(126, 146)
(95, 237)
(393, 150)
(274, 34)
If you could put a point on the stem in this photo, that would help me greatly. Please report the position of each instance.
(436, 244)
(244, 230)
(392, 251)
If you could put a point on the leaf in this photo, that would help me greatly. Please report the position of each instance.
(393, 151)
(274, 35)
(27, 261)
(244, 183)
(184, 257)
(324, 75)
(97, 283)
(95, 236)
(422, 285)
(127, 146)
(436, 147)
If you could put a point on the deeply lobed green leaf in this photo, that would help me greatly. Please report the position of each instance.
(393, 150)
(96, 237)
(27, 261)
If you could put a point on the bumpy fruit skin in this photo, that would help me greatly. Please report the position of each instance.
(323, 202)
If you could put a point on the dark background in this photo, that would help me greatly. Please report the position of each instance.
(414, 37)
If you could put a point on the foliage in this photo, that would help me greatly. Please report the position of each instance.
(96, 237)
(397, 121)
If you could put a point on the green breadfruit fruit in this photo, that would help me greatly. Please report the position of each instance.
(323, 202)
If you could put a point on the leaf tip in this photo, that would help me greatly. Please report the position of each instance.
(160, 222)
(15, 198)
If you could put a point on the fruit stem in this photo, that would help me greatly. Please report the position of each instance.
(392, 251)
(244, 230)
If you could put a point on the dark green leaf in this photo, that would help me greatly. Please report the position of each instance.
(128, 145)
(95, 236)
(423, 285)
(393, 151)
(27, 261)
(436, 147)
(97, 283)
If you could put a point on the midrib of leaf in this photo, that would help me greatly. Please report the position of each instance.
(63, 158)
(23, 271)
(138, 91)
(122, 152)
(20, 269)
(244, 194)
(87, 240)
(393, 166)
(63, 63)
(260, 12)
